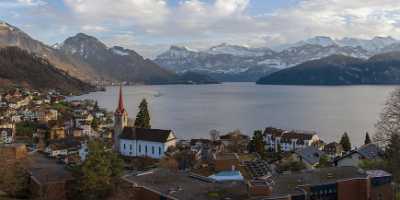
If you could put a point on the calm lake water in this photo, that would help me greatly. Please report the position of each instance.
(194, 110)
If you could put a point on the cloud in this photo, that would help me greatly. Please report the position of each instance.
(13, 4)
(140, 23)
(32, 2)
(142, 12)
(94, 28)
(335, 18)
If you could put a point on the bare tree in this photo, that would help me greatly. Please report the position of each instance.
(389, 122)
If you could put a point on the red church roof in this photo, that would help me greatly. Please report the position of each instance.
(120, 109)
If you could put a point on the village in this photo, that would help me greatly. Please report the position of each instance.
(52, 136)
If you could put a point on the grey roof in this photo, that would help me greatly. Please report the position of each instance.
(378, 173)
(287, 183)
(184, 186)
(370, 151)
(310, 154)
(153, 135)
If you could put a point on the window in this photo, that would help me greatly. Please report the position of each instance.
(152, 150)
(130, 147)
(145, 149)
(159, 150)
(124, 146)
(140, 148)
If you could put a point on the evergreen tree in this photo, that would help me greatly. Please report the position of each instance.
(392, 154)
(143, 116)
(367, 139)
(345, 142)
(99, 173)
(257, 143)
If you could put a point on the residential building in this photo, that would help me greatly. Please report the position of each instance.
(57, 132)
(355, 157)
(288, 140)
(310, 156)
(63, 147)
(161, 184)
(338, 183)
(234, 138)
(152, 143)
(333, 149)
(48, 180)
(46, 115)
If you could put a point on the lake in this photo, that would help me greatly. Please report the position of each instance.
(193, 110)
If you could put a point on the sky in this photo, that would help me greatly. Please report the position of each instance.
(151, 26)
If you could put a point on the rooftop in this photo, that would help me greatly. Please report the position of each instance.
(227, 156)
(288, 183)
(154, 135)
(45, 170)
(181, 186)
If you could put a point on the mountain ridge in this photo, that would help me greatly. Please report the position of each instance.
(340, 70)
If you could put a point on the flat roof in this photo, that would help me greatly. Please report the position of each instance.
(181, 186)
(288, 183)
(227, 156)
(46, 170)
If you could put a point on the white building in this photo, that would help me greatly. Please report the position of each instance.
(288, 140)
(142, 142)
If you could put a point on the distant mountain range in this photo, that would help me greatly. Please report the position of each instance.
(239, 63)
(340, 70)
(88, 59)
(20, 68)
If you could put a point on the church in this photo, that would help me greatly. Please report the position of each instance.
(139, 142)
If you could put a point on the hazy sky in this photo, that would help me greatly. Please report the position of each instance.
(151, 25)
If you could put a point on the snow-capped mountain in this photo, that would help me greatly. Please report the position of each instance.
(224, 66)
(237, 50)
(236, 60)
(13, 36)
(115, 63)
(376, 44)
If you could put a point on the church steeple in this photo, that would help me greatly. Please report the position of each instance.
(120, 119)
(121, 108)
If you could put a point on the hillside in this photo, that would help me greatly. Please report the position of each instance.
(340, 70)
(13, 36)
(118, 63)
(21, 68)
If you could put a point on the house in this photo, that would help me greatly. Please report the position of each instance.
(6, 135)
(204, 148)
(355, 157)
(340, 183)
(57, 132)
(333, 149)
(48, 179)
(310, 156)
(63, 147)
(284, 140)
(234, 137)
(161, 184)
(152, 143)
(46, 115)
